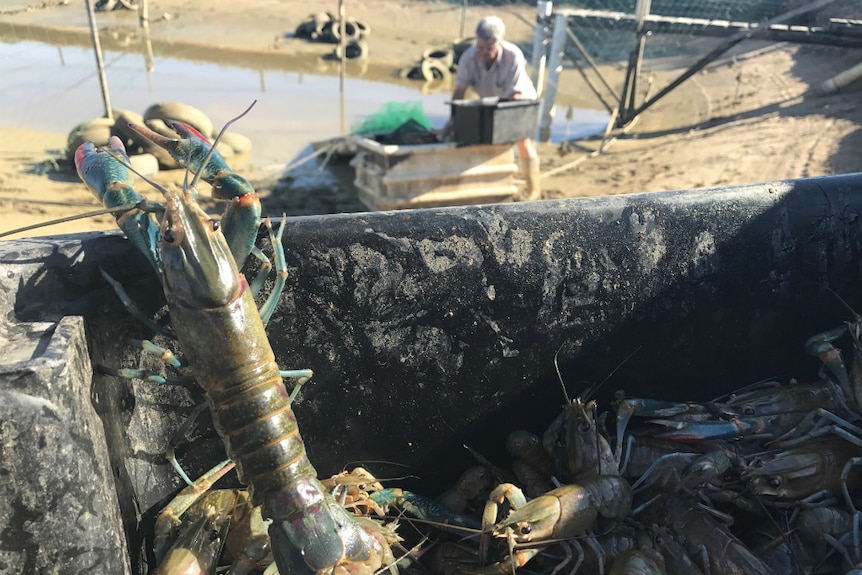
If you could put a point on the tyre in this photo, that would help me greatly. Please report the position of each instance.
(225, 150)
(158, 126)
(181, 113)
(145, 164)
(105, 5)
(304, 31)
(460, 46)
(240, 144)
(433, 69)
(319, 23)
(414, 72)
(122, 119)
(445, 55)
(135, 142)
(351, 32)
(97, 131)
(132, 141)
(326, 34)
(364, 29)
(355, 50)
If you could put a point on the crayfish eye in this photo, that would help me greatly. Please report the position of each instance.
(585, 426)
(169, 236)
(215, 225)
(748, 411)
(526, 529)
(213, 535)
(774, 482)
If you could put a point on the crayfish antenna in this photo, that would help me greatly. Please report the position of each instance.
(560, 375)
(852, 311)
(216, 141)
(113, 211)
(590, 391)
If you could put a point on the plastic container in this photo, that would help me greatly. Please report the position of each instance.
(392, 177)
(494, 121)
(426, 330)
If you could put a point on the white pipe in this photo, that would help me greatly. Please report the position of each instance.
(841, 80)
(544, 9)
(642, 9)
(555, 66)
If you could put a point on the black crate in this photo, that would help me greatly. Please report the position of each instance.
(716, 286)
(494, 121)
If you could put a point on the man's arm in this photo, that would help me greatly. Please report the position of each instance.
(518, 81)
(522, 86)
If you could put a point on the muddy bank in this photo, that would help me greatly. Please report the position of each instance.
(745, 118)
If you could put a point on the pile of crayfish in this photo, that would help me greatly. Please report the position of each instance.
(762, 481)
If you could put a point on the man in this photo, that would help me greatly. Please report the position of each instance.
(494, 67)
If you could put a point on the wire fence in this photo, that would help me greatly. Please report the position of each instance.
(745, 10)
(612, 38)
(739, 10)
(687, 29)
(726, 9)
(620, 53)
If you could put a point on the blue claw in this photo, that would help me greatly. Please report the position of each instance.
(422, 508)
(107, 175)
(240, 222)
(712, 429)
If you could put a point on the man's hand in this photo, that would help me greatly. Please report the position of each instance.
(448, 132)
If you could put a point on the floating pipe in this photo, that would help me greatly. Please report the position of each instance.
(839, 81)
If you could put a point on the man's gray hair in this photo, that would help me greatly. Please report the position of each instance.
(490, 28)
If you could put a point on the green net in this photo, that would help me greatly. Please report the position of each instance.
(392, 116)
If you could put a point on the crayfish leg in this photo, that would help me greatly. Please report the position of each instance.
(268, 307)
(170, 517)
(199, 546)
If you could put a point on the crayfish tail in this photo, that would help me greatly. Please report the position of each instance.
(327, 540)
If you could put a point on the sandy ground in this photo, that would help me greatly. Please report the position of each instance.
(751, 116)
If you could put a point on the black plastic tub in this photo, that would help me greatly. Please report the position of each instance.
(494, 120)
(426, 329)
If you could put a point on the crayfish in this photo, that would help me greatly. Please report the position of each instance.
(221, 331)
